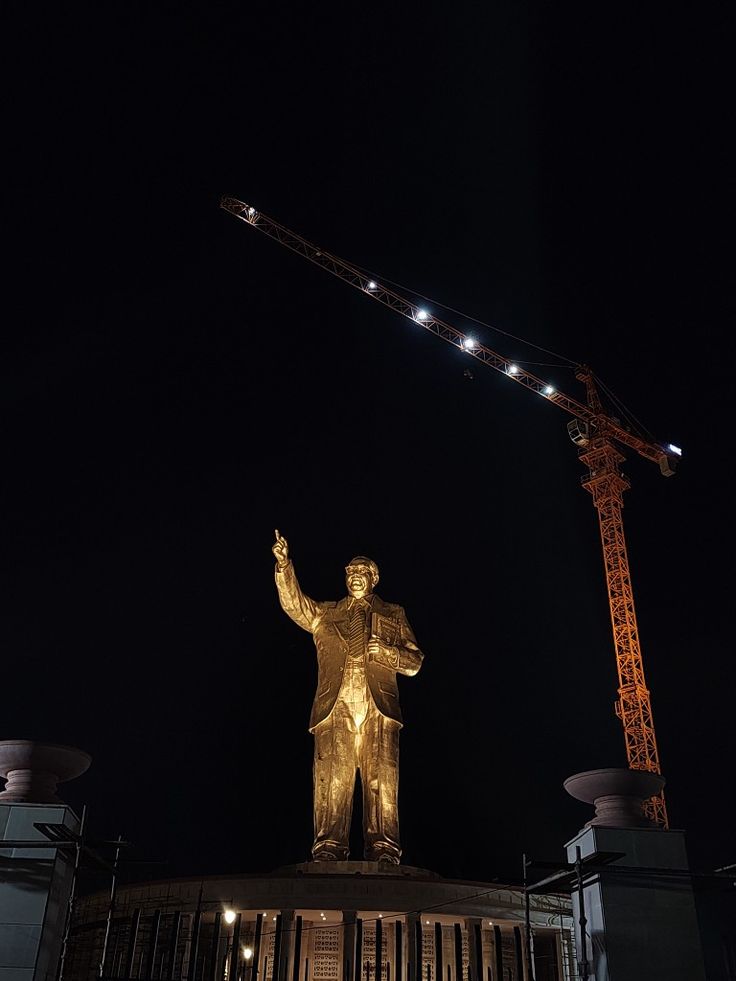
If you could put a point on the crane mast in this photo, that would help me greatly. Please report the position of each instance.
(593, 431)
(607, 484)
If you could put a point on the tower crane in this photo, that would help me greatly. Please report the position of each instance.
(596, 433)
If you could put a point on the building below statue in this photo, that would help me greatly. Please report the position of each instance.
(321, 922)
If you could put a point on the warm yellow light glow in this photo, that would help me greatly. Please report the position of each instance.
(384, 649)
(247, 953)
(230, 916)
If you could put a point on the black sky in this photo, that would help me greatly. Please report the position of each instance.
(175, 385)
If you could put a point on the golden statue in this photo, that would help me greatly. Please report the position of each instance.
(362, 643)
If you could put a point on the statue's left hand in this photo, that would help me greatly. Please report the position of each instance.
(378, 651)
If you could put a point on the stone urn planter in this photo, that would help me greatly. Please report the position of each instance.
(618, 795)
(33, 770)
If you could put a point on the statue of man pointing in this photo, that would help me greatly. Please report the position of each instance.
(362, 644)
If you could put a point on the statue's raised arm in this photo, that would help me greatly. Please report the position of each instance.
(302, 610)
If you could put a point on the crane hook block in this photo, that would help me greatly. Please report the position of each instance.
(667, 465)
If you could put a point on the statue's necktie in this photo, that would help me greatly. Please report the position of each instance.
(356, 630)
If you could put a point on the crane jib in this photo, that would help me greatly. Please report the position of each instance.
(358, 279)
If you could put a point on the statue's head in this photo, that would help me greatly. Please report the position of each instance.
(361, 576)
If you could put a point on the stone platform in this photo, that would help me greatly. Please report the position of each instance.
(315, 921)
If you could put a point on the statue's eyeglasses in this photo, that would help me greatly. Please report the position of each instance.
(352, 569)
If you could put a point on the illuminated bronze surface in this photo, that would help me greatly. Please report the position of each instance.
(362, 644)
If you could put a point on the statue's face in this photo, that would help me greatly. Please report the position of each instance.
(359, 580)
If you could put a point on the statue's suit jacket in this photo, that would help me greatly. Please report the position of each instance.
(328, 623)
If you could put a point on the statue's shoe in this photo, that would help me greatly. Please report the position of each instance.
(326, 855)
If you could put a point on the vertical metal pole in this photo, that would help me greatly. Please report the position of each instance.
(349, 917)
(152, 943)
(194, 942)
(399, 951)
(110, 909)
(531, 972)
(418, 949)
(277, 949)
(306, 969)
(498, 945)
(214, 948)
(257, 947)
(519, 952)
(478, 938)
(358, 949)
(132, 939)
(458, 953)
(438, 952)
(584, 969)
(72, 894)
(173, 944)
(235, 950)
(298, 950)
(379, 950)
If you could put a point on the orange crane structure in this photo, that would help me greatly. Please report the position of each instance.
(596, 434)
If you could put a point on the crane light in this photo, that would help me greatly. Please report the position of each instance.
(422, 314)
(251, 211)
(469, 344)
(513, 370)
(674, 449)
(549, 390)
(372, 286)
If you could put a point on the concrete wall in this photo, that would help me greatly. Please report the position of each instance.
(34, 891)
(639, 926)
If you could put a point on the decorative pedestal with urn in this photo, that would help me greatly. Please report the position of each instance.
(635, 916)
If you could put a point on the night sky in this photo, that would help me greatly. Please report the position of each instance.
(175, 385)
